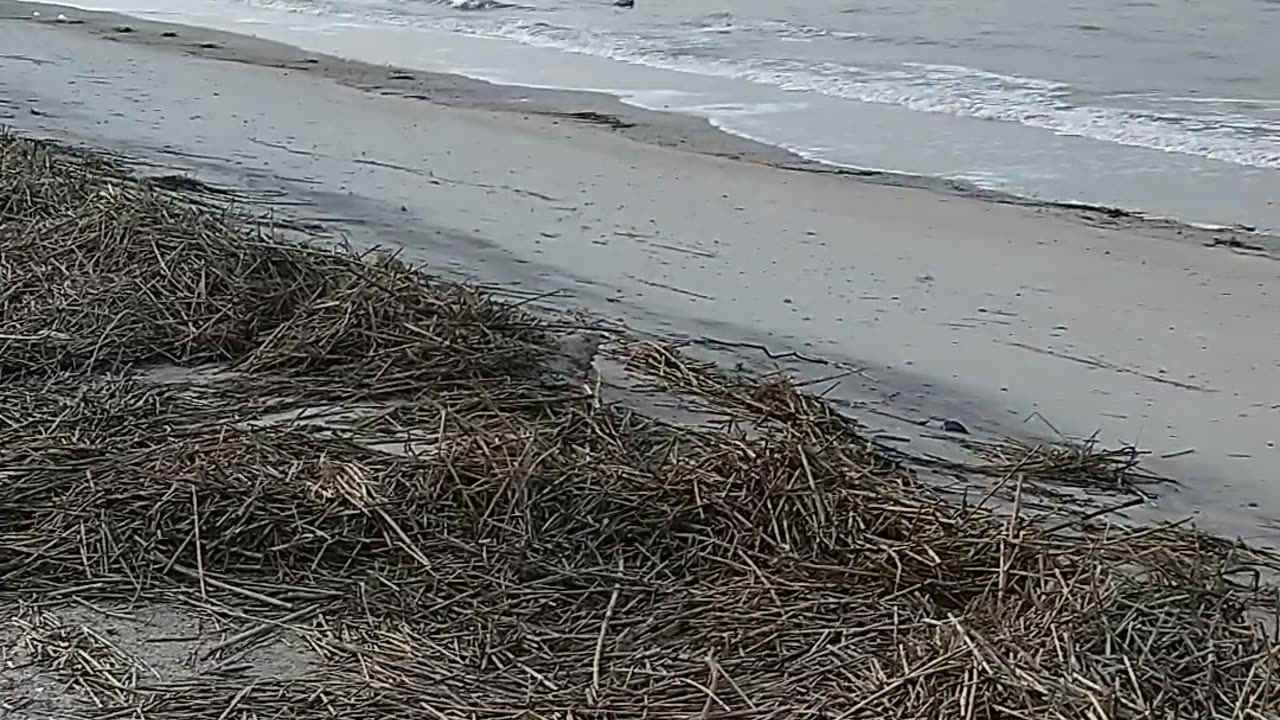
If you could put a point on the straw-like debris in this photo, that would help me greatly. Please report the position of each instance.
(1043, 468)
(1080, 464)
(456, 533)
(98, 274)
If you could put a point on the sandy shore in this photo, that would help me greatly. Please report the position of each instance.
(951, 305)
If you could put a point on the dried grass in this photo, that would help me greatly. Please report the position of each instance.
(527, 550)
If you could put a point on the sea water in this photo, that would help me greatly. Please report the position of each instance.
(1168, 107)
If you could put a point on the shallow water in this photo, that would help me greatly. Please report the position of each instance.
(1182, 77)
(1165, 106)
(1151, 87)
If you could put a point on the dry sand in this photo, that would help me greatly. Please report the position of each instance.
(954, 306)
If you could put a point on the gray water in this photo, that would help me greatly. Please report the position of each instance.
(1166, 106)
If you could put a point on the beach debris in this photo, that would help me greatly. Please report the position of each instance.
(124, 29)
(462, 538)
(185, 183)
(484, 5)
(169, 34)
(595, 118)
(1064, 463)
(1235, 244)
(954, 426)
(574, 357)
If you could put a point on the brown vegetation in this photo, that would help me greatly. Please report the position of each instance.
(457, 533)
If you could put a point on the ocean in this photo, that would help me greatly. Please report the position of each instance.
(1167, 107)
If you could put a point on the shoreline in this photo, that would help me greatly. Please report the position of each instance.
(1012, 319)
(602, 111)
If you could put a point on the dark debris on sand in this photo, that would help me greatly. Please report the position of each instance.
(336, 446)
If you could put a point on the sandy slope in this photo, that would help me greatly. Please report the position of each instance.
(978, 310)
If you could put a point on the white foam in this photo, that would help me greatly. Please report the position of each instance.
(1217, 132)
(944, 89)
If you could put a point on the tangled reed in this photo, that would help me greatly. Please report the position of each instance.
(306, 443)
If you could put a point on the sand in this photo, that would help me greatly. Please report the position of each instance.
(951, 305)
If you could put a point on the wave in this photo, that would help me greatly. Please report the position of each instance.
(1218, 131)
(1226, 136)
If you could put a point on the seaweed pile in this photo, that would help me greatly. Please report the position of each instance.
(455, 532)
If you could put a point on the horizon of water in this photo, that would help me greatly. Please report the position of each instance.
(1161, 106)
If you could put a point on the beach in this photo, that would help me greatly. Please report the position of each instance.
(1088, 102)
(1004, 315)
(342, 390)
(247, 472)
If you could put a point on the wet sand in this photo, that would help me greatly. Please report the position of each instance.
(982, 309)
